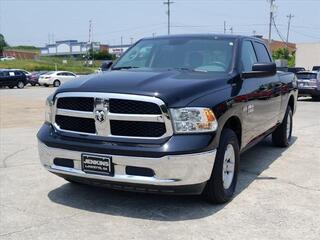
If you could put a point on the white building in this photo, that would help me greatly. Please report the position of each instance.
(118, 50)
(308, 55)
(68, 47)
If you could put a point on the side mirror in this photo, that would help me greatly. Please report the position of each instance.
(106, 65)
(261, 70)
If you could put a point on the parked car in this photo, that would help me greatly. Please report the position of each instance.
(56, 78)
(34, 77)
(12, 78)
(9, 58)
(316, 68)
(296, 69)
(309, 84)
(171, 116)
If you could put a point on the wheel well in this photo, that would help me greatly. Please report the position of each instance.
(234, 124)
(291, 103)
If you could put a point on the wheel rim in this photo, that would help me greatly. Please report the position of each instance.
(20, 85)
(289, 121)
(56, 84)
(228, 166)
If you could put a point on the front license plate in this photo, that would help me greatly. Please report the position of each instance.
(97, 164)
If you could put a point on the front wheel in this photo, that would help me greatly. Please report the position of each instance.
(222, 184)
(281, 137)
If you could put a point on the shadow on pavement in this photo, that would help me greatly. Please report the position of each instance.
(162, 207)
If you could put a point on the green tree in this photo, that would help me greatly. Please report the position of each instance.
(3, 44)
(283, 53)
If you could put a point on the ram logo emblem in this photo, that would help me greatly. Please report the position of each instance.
(100, 115)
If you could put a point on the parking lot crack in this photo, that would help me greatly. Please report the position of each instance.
(4, 160)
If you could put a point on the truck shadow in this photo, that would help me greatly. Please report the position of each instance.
(162, 207)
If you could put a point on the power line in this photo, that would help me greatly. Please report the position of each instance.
(168, 3)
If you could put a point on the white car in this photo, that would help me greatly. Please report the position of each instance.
(56, 78)
(9, 58)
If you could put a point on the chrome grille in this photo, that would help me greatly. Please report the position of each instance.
(112, 115)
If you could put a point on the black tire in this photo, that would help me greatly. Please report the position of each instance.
(56, 83)
(215, 192)
(33, 84)
(46, 85)
(20, 84)
(281, 137)
(11, 87)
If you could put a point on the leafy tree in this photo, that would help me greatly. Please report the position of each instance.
(3, 44)
(283, 53)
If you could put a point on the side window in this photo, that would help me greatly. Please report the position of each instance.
(248, 56)
(17, 73)
(60, 74)
(11, 74)
(262, 53)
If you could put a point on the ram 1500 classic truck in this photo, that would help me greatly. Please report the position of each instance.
(172, 115)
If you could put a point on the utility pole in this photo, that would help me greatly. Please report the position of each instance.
(271, 18)
(290, 16)
(90, 29)
(224, 27)
(168, 2)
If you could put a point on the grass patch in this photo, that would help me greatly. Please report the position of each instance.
(50, 64)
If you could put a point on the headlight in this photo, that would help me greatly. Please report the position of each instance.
(193, 120)
(48, 109)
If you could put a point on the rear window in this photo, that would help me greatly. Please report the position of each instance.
(262, 53)
(316, 68)
(306, 75)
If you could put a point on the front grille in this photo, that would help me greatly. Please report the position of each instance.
(133, 107)
(112, 115)
(76, 124)
(76, 103)
(137, 129)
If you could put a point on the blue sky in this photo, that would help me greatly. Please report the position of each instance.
(30, 21)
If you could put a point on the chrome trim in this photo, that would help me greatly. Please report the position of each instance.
(73, 113)
(103, 128)
(171, 170)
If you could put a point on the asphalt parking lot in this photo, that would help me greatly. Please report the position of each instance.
(278, 195)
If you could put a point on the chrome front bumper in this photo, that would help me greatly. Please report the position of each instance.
(173, 170)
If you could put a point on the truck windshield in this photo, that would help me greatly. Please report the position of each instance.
(196, 54)
(306, 75)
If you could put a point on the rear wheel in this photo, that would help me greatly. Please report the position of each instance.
(11, 87)
(20, 84)
(56, 83)
(281, 137)
(222, 184)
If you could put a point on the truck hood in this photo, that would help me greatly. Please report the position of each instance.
(175, 88)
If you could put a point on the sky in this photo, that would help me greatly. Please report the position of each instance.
(38, 22)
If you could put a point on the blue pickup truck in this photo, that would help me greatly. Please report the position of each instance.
(171, 116)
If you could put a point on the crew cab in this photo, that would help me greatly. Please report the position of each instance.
(171, 116)
(11, 78)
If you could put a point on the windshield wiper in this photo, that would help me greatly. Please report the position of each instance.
(188, 69)
(124, 67)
